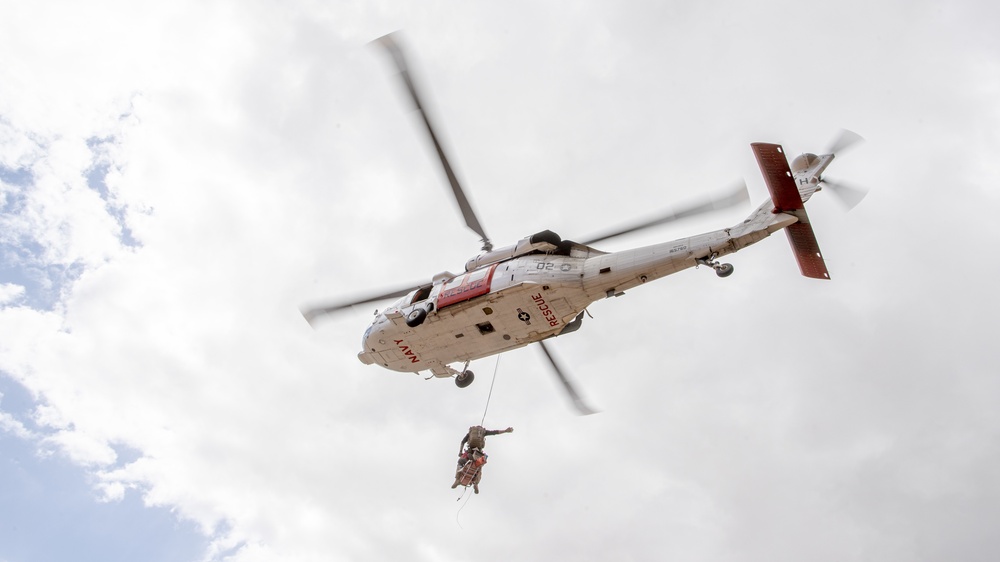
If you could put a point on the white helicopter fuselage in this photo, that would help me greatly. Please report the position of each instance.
(541, 286)
(524, 299)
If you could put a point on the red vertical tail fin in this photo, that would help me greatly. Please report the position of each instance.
(786, 199)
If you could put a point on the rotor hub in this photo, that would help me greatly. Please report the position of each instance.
(803, 162)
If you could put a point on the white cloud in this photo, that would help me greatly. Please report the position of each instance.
(82, 447)
(10, 424)
(10, 292)
(266, 160)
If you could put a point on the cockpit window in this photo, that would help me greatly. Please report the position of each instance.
(421, 294)
(364, 339)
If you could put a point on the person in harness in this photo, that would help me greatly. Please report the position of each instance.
(471, 449)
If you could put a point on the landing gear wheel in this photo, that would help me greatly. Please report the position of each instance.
(724, 270)
(416, 317)
(465, 379)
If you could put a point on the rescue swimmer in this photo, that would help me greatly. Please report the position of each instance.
(471, 457)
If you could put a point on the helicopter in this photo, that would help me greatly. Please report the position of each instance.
(540, 287)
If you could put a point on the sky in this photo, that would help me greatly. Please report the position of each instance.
(179, 178)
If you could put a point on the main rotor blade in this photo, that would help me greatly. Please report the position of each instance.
(581, 407)
(845, 140)
(314, 312)
(736, 197)
(471, 220)
(848, 195)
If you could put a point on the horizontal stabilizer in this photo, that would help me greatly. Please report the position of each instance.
(806, 250)
(777, 176)
(786, 199)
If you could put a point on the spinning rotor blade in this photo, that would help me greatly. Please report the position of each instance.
(581, 407)
(849, 196)
(312, 313)
(844, 141)
(471, 220)
(736, 197)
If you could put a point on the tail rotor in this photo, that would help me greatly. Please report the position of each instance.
(848, 195)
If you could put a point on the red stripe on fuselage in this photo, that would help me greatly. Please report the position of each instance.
(468, 286)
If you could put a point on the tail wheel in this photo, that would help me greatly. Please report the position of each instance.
(465, 379)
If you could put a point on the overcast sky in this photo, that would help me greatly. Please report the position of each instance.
(178, 178)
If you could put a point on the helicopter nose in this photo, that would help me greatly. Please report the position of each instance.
(368, 355)
(364, 338)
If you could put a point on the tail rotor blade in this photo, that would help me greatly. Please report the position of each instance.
(390, 45)
(849, 196)
(578, 402)
(845, 140)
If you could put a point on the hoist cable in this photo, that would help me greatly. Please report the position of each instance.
(486, 409)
